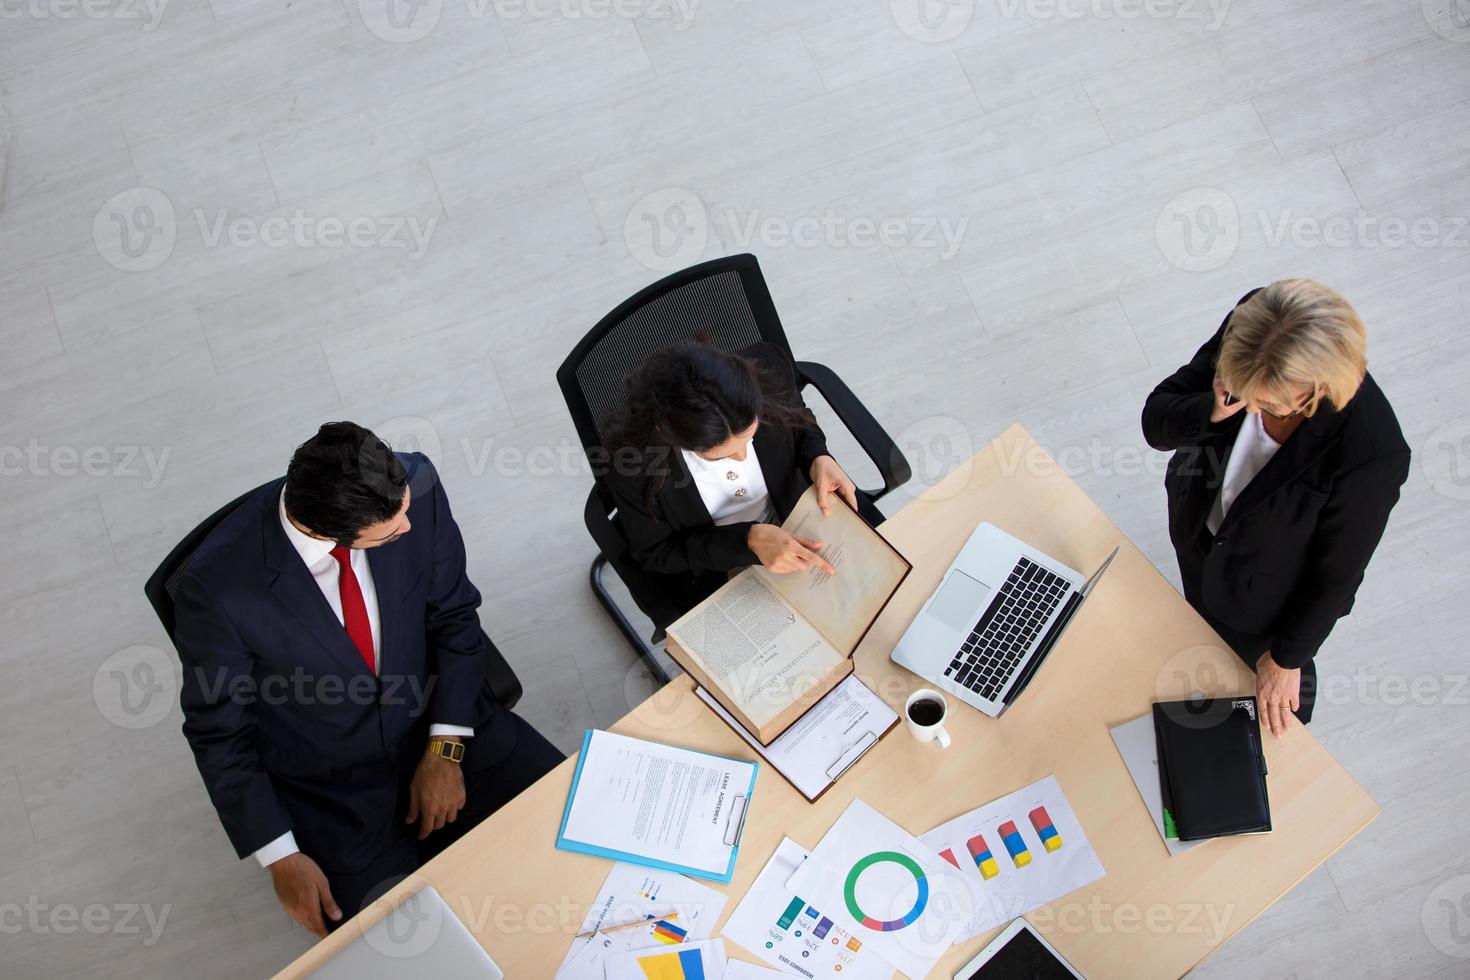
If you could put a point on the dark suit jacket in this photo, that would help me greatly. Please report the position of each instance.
(670, 533)
(1290, 554)
(289, 728)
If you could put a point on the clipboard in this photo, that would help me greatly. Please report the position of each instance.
(853, 749)
(731, 833)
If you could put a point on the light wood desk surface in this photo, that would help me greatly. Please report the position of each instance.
(1136, 641)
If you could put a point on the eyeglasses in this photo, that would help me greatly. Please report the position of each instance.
(1302, 407)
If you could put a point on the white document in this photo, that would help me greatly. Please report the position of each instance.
(637, 800)
(1139, 747)
(741, 970)
(832, 735)
(1020, 852)
(777, 925)
(887, 888)
(703, 960)
(631, 893)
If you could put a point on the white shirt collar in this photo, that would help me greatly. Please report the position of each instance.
(311, 550)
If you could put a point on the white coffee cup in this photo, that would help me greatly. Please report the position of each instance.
(934, 731)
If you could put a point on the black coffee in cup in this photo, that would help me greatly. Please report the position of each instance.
(925, 712)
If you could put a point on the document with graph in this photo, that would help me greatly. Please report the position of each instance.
(1020, 852)
(767, 647)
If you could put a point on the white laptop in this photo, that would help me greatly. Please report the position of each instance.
(996, 615)
(422, 937)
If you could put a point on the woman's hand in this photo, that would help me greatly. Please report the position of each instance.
(781, 551)
(1220, 411)
(828, 477)
(1278, 693)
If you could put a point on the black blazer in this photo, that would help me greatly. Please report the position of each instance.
(289, 728)
(1290, 554)
(667, 526)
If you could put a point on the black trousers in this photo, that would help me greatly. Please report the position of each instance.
(1247, 646)
(486, 790)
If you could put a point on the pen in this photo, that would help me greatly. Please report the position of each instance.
(628, 925)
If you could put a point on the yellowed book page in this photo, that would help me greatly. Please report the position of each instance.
(840, 606)
(755, 647)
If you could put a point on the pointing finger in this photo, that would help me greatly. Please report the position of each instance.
(820, 562)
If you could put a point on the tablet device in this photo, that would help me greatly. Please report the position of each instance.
(1018, 953)
(422, 937)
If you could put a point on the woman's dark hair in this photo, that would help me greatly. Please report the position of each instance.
(695, 396)
(342, 480)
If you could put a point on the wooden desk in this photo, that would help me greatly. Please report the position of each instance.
(1136, 641)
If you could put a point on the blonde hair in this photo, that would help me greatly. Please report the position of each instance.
(1293, 334)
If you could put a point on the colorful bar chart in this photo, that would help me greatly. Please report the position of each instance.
(1015, 846)
(984, 860)
(668, 933)
(1041, 820)
(789, 916)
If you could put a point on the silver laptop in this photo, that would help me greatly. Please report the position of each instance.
(422, 937)
(996, 615)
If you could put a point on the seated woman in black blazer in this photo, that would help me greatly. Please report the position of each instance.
(1288, 460)
(710, 454)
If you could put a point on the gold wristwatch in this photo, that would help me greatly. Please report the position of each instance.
(445, 749)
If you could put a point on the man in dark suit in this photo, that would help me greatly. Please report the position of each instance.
(334, 686)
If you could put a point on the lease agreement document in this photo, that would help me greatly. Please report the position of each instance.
(769, 646)
(657, 805)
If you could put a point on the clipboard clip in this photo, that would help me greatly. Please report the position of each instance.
(735, 824)
(852, 754)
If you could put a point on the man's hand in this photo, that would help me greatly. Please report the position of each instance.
(303, 892)
(1220, 411)
(1278, 693)
(436, 794)
(828, 477)
(781, 551)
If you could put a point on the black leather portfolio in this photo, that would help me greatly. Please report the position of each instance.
(1211, 767)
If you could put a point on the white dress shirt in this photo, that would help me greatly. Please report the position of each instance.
(732, 490)
(1253, 449)
(317, 556)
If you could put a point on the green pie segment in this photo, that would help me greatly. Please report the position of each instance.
(849, 891)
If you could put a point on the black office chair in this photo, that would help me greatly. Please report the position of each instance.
(162, 590)
(727, 300)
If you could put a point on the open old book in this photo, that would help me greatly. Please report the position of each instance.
(768, 646)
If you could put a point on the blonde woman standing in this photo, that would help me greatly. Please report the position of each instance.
(1287, 461)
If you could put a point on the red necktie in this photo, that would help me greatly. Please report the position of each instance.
(354, 610)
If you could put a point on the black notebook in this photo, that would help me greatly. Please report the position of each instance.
(1212, 770)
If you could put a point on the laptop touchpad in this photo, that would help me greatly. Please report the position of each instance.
(959, 602)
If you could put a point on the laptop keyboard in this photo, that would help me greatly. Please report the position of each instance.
(988, 657)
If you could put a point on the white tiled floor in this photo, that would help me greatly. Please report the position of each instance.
(1114, 176)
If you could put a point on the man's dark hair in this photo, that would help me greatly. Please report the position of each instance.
(344, 479)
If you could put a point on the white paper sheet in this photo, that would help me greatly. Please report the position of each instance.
(655, 801)
(741, 970)
(832, 729)
(632, 892)
(1011, 886)
(905, 902)
(664, 963)
(779, 926)
(1139, 747)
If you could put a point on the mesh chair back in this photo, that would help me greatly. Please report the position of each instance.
(725, 299)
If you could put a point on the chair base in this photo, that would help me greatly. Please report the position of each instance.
(643, 648)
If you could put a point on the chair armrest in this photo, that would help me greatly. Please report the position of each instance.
(881, 449)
